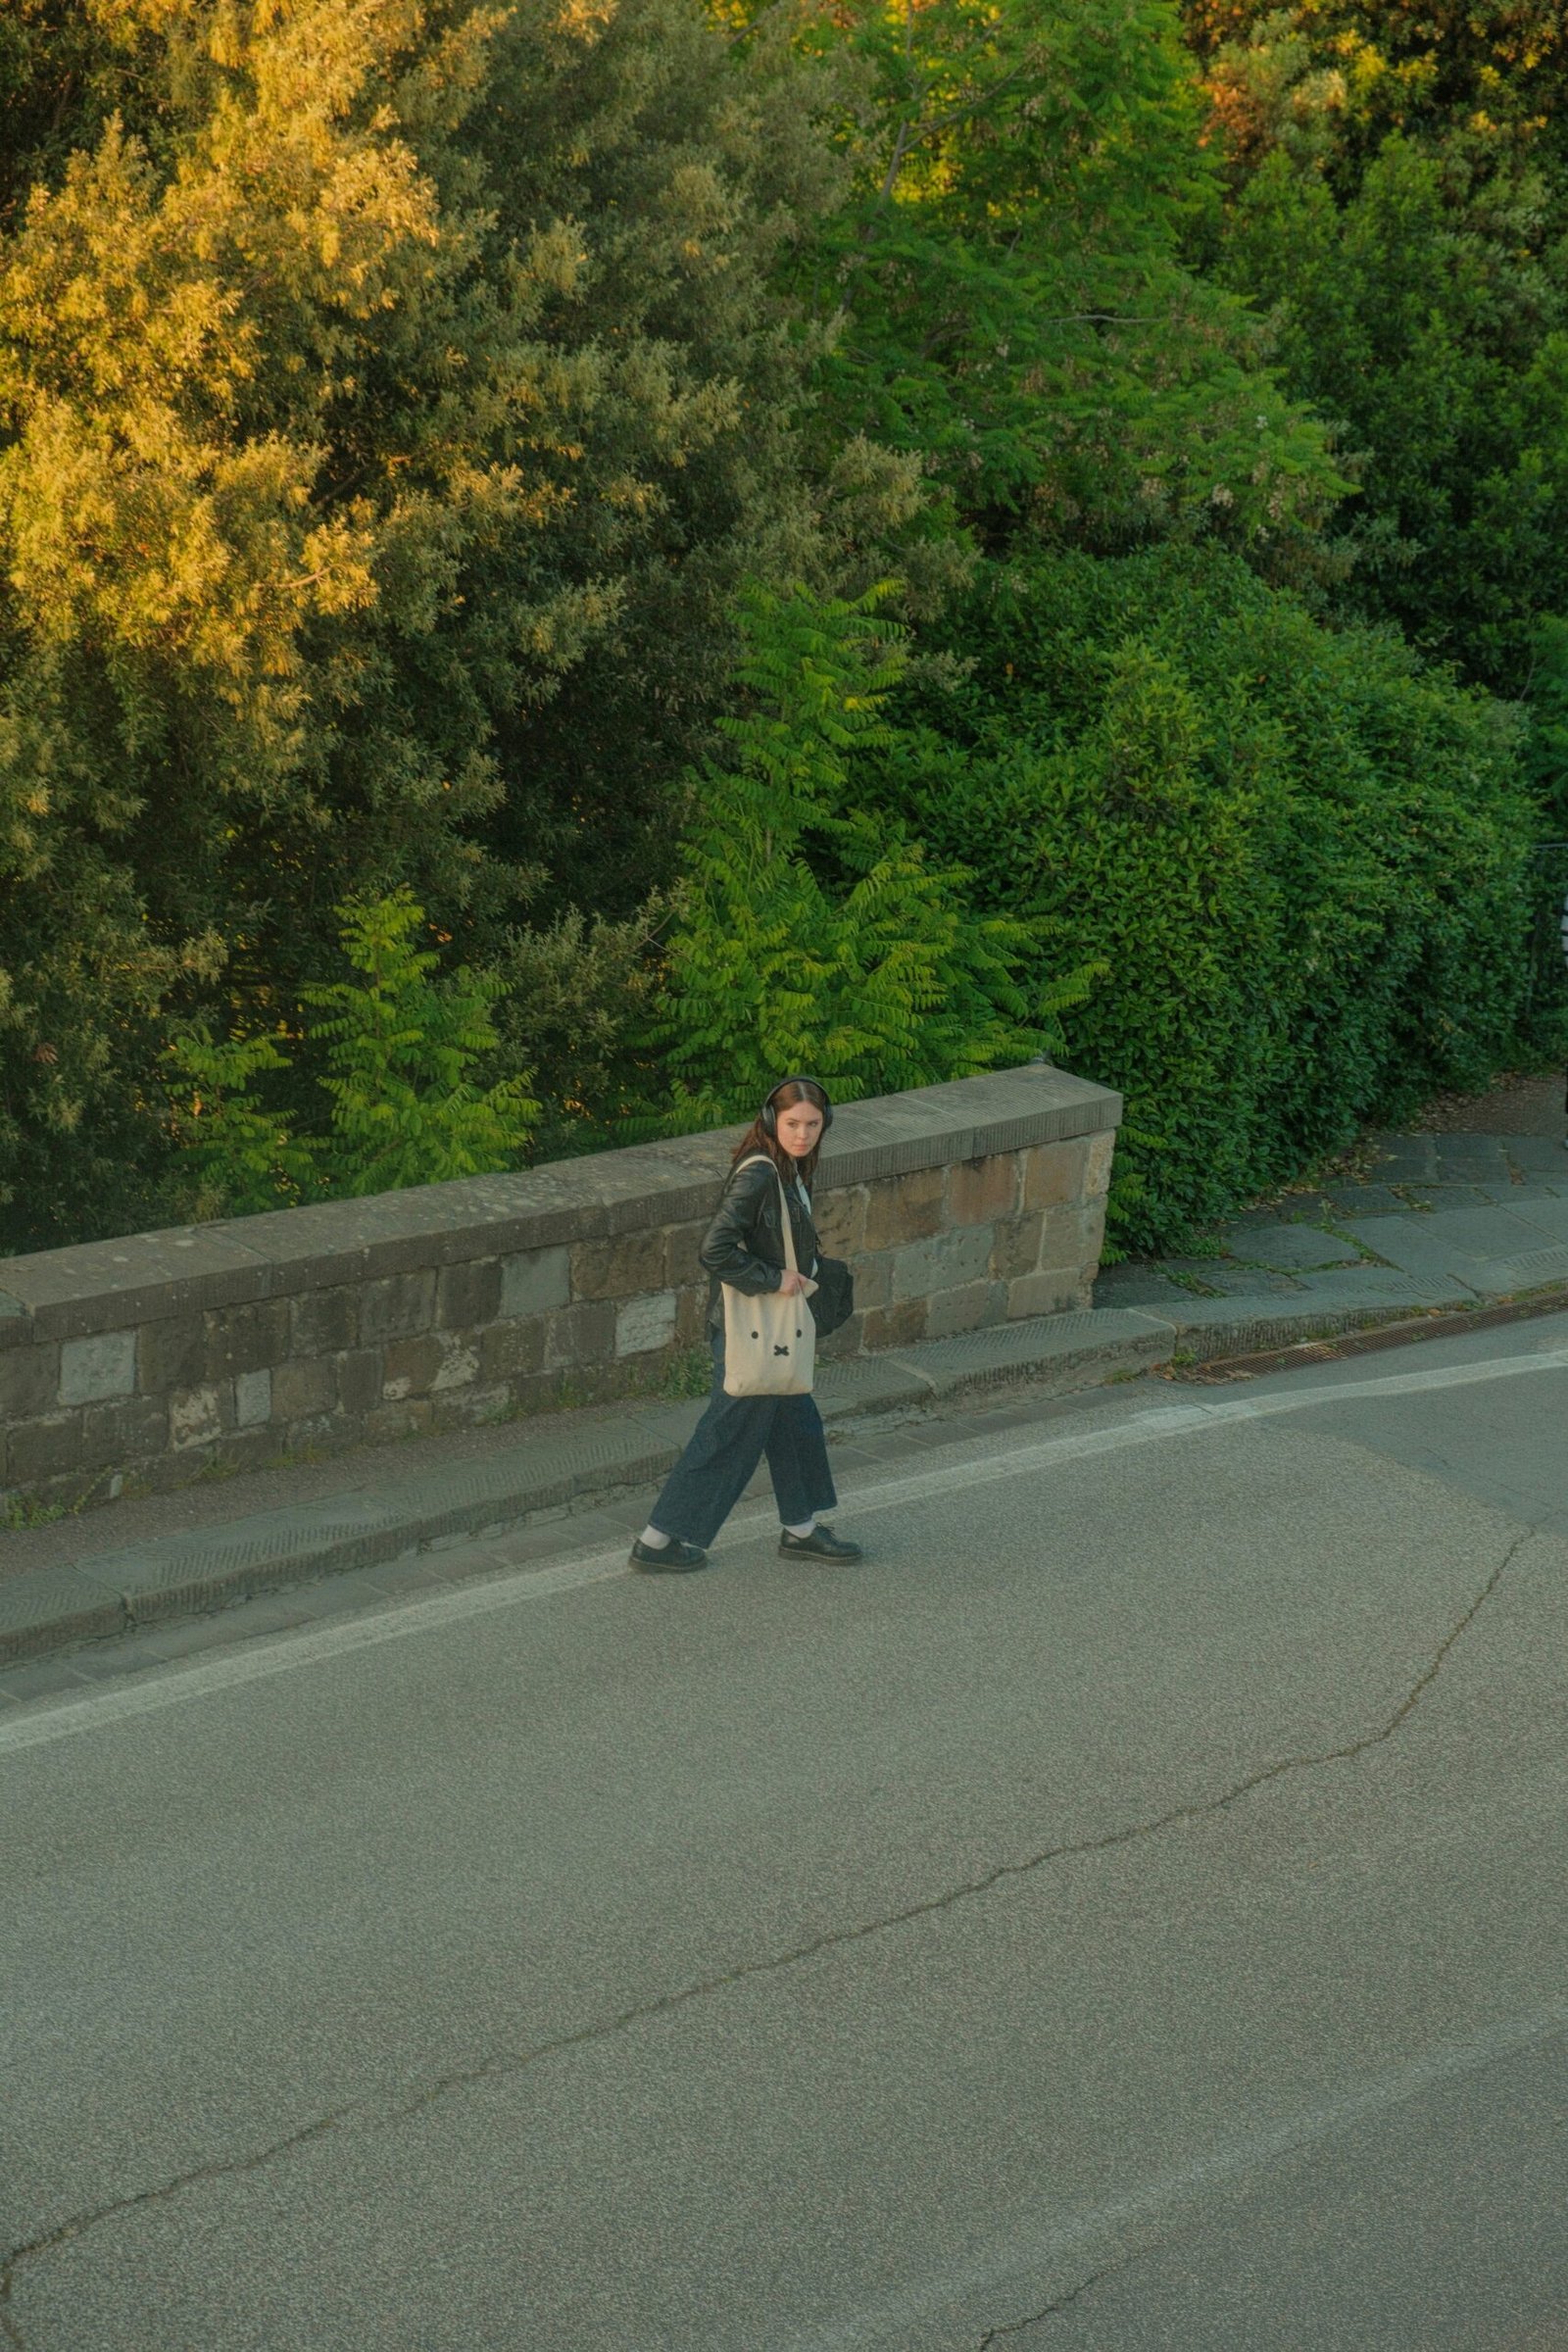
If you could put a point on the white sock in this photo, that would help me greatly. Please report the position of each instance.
(809, 1529)
(653, 1537)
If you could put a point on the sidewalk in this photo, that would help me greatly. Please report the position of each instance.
(1442, 1220)
(1444, 1223)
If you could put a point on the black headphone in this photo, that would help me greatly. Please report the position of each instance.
(769, 1116)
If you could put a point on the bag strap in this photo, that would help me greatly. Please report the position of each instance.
(767, 1162)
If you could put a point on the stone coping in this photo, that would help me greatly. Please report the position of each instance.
(99, 1286)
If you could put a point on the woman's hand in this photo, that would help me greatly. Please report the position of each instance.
(790, 1283)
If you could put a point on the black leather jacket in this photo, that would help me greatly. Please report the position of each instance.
(745, 1243)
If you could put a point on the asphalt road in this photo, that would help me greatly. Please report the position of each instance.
(1130, 1910)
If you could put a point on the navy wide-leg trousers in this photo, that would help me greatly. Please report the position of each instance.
(724, 1449)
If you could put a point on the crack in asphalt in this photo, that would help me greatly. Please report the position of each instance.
(993, 2336)
(1219, 1804)
(514, 2062)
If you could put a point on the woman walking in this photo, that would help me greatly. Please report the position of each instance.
(747, 1246)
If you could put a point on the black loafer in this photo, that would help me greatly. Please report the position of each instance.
(820, 1545)
(655, 1558)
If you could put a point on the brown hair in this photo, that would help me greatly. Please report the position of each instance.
(756, 1137)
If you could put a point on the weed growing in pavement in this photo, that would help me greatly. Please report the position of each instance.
(22, 1511)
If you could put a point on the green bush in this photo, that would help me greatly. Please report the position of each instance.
(403, 1105)
(1301, 855)
(811, 935)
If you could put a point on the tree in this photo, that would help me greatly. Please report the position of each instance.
(1010, 296)
(811, 935)
(401, 1052)
(1428, 313)
(1398, 207)
(368, 369)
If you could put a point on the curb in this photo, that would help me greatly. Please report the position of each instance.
(566, 1460)
(1434, 1323)
(1413, 1309)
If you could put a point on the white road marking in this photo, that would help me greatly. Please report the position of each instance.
(1023, 2268)
(285, 1653)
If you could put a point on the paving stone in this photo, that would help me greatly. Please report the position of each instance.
(1364, 1200)
(49, 1678)
(1548, 1216)
(1137, 1286)
(1530, 1270)
(1252, 1282)
(1292, 1249)
(1381, 1285)
(1538, 1153)
(1441, 1198)
(1457, 1168)
(1448, 1245)
(1405, 1159)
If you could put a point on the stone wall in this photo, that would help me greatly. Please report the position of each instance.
(141, 1364)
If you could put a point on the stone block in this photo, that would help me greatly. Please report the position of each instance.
(643, 1324)
(534, 1282)
(315, 1433)
(1096, 1171)
(471, 1407)
(430, 1361)
(971, 1308)
(410, 1366)
(1015, 1245)
(691, 1315)
(44, 1448)
(1054, 1293)
(103, 1365)
(359, 1372)
(681, 1245)
(900, 1326)
(507, 1350)
(323, 1322)
(170, 1354)
(1056, 1172)
(459, 1367)
(540, 1392)
(622, 1268)
(979, 1191)
(305, 1385)
(252, 1400)
(846, 1341)
(580, 1335)
(397, 1305)
(469, 1295)
(839, 1215)
(247, 1448)
(29, 1383)
(122, 1432)
(404, 1417)
(905, 1209)
(245, 1339)
(873, 1279)
(196, 1416)
(1073, 1237)
(945, 1262)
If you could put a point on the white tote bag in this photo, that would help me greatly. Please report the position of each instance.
(770, 1340)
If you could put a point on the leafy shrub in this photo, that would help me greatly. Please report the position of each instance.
(403, 1105)
(812, 934)
(1301, 855)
